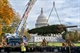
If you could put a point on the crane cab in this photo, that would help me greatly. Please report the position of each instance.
(15, 40)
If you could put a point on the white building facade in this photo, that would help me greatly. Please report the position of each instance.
(39, 38)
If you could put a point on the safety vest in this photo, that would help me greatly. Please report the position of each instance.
(23, 48)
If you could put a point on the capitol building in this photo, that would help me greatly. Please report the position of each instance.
(41, 21)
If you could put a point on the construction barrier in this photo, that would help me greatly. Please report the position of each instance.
(42, 49)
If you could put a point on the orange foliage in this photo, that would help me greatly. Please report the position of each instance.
(6, 13)
(0, 28)
(3, 3)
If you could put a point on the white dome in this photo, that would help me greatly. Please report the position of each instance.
(42, 20)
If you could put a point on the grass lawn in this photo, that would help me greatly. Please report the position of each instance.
(54, 43)
(77, 44)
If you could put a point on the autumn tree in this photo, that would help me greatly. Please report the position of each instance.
(67, 37)
(72, 36)
(25, 33)
(12, 27)
(6, 14)
(79, 37)
(3, 3)
(76, 37)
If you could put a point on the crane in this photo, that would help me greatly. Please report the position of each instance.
(12, 38)
(25, 16)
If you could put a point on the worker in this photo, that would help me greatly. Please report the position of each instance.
(70, 43)
(23, 48)
(63, 44)
(44, 42)
(4, 42)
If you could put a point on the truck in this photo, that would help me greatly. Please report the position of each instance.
(15, 39)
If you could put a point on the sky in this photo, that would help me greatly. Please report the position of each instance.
(68, 11)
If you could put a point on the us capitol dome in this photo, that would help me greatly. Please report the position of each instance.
(42, 20)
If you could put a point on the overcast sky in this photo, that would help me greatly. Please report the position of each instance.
(68, 11)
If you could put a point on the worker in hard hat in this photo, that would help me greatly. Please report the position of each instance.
(4, 42)
(23, 48)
